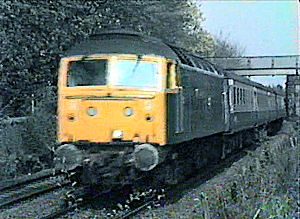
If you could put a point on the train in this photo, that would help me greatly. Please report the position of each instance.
(130, 105)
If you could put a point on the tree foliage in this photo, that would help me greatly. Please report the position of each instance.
(34, 35)
(223, 47)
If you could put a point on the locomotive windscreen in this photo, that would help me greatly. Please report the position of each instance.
(123, 73)
(87, 73)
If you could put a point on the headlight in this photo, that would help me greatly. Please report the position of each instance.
(92, 111)
(128, 111)
(117, 134)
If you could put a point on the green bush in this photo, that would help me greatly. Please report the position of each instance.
(262, 186)
(10, 149)
(26, 146)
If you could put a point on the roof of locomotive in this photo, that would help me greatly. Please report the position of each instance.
(126, 42)
(122, 42)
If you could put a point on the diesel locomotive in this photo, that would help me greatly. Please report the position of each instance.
(128, 102)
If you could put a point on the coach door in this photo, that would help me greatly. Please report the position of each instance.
(183, 102)
(179, 118)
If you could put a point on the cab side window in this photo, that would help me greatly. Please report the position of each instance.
(178, 77)
(173, 76)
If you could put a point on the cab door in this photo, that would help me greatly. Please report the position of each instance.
(178, 104)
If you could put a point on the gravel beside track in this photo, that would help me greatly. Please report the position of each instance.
(37, 207)
(12, 196)
(183, 201)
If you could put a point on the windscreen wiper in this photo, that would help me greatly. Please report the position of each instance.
(139, 58)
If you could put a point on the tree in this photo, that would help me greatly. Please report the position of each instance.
(223, 47)
(35, 34)
(179, 22)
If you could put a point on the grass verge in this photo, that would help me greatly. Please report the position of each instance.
(263, 185)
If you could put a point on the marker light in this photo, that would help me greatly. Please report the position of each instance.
(128, 111)
(92, 111)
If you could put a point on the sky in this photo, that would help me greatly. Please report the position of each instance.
(259, 27)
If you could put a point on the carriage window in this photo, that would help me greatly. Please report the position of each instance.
(238, 96)
(234, 96)
(172, 76)
(241, 96)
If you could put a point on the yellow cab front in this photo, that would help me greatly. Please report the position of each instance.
(111, 98)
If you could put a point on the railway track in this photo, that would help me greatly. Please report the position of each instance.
(11, 183)
(80, 199)
(148, 202)
(83, 198)
(138, 209)
(154, 198)
(203, 175)
(14, 191)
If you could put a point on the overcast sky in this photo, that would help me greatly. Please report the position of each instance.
(261, 27)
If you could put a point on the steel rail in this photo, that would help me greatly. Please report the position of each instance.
(44, 188)
(67, 209)
(138, 209)
(12, 183)
(60, 212)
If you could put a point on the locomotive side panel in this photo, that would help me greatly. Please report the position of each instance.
(198, 109)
